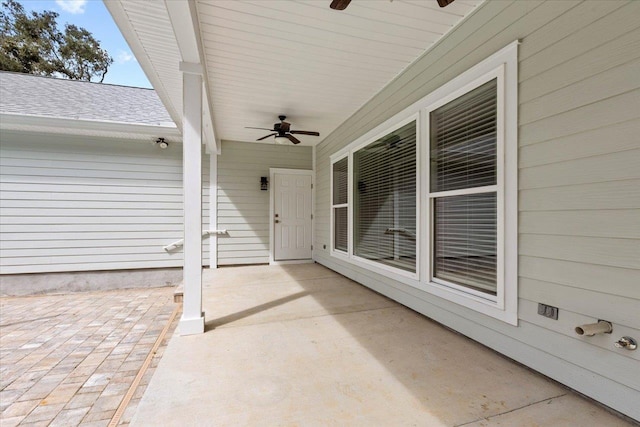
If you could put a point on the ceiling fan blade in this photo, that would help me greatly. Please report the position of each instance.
(304, 132)
(293, 139)
(443, 3)
(339, 4)
(265, 137)
(249, 127)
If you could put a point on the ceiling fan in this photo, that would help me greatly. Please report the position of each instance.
(342, 4)
(282, 132)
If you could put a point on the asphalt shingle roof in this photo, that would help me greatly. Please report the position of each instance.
(71, 99)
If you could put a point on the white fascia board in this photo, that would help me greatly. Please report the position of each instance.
(208, 132)
(69, 125)
(186, 28)
(121, 19)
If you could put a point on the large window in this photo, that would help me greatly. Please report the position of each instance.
(463, 181)
(429, 198)
(384, 199)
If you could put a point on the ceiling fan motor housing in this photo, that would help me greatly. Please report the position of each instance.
(283, 130)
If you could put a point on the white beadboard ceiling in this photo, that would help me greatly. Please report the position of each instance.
(146, 27)
(299, 58)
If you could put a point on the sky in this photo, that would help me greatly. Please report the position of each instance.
(94, 16)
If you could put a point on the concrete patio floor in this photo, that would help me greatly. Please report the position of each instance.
(300, 345)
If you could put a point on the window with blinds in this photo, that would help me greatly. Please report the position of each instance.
(468, 188)
(463, 181)
(384, 198)
(340, 206)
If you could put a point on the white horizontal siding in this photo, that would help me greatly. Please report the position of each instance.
(579, 186)
(243, 209)
(80, 204)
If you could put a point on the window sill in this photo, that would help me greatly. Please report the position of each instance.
(487, 305)
(398, 275)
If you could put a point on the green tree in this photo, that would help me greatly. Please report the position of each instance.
(33, 43)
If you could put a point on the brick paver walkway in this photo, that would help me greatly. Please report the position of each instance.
(68, 360)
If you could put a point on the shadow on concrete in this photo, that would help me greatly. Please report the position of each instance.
(303, 345)
(215, 323)
(452, 377)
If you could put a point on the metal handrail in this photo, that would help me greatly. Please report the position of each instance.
(179, 243)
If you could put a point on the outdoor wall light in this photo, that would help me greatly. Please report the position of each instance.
(264, 183)
(160, 142)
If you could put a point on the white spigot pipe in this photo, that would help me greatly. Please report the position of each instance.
(179, 243)
(591, 329)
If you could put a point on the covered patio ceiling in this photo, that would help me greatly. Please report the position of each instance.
(263, 58)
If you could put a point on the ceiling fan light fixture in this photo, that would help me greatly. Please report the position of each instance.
(281, 140)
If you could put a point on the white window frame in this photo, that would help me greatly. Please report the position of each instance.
(391, 271)
(504, 305)
(395, 273)
(498, 188)
(504, 66)
(333, 251)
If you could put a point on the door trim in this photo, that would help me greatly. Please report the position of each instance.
(272, 183)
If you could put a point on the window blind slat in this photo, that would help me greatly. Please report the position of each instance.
(463, 141)
(340, 228)
(465, 249)
(340, 179)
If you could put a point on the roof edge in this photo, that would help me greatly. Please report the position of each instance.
(65, 125)
(37, 76)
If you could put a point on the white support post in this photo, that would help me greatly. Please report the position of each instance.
(192, 321)
(213, 209)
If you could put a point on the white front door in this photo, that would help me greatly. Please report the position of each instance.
(292, 216)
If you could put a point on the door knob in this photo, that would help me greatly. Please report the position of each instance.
(277, 221)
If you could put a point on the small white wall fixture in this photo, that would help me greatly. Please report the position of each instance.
(192, 321)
